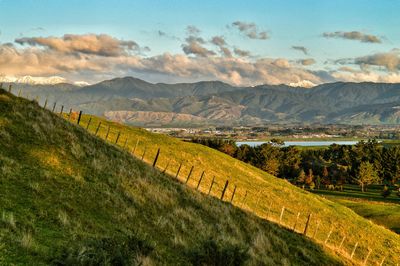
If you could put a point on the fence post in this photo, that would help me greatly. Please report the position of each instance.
(316, 229)
(134, 149)
(244, 199)
(190, 173)
(329, 235)
(9, 88)
(307, 223)
(119, 134)
(54, 106)
(212, 184)
(37, 99)
(280, 217)
(62, 109)
(179, 169)
(19, 93)
(341, 242)
(383, 260)
(354, 250)
(223, 191)
(90, 120)
(70, 114)
(156, 158)
(165, 169)
(144, 152)
(79, 117)
(201, 178)
(295, 223)
(108, 132)
(233, 194)
(45, 104)
(366, 258)
(97, 129)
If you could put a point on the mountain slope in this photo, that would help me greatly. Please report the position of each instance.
(218, 102)
(69, 198)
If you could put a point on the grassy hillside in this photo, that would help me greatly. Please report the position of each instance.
(259, 192)
(69, 198)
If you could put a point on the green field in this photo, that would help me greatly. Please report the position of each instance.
(370, 204)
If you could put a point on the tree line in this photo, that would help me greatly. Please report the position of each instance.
(366, 163)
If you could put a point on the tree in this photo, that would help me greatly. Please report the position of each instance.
(367, 175)
(301, 178)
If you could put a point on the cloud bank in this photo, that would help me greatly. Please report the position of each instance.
(353, 35)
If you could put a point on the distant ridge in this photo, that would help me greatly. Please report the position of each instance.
(220, 103)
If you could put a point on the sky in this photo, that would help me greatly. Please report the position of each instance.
(244, 43)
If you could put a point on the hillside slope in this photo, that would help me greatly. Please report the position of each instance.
(265, 195)
(69, 198)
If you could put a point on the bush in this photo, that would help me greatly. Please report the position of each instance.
(386, 192)
(211, 252)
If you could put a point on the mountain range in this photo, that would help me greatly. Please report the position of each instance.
(142, 103)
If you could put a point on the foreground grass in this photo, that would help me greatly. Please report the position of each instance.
(68, 198)
(258, 192)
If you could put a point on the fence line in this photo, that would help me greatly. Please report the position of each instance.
(284, 212)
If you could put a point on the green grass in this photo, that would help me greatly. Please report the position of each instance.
(266, 195)
(370, 204)
(385, 214)
(69, 198)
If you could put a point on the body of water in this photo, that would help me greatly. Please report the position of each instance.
(302, 143)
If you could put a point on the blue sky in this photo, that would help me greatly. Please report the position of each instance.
(286, 23)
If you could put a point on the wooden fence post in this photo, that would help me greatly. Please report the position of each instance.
(341, 242)
(119, 134)
(19, 93)
(223, 191)
(108, 132)
(70, 114)
(87, 126)
(383, 260)
(156, 158)
(295, 223)
(316, 229)
(134, 149)
(201, 178)
(366, 258)
(212, 184)
(79, 117)
(307, 224)
(190, 173)
(97, 129)
(244, 199)
(54, 107)
(144, 152)
(37, 99)
(62, 109)
(281, 216)
(45, 104)
(233, 194)
(329, 235)
(354, 250)
(9, 88)
(165, 169)
(177, 172)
